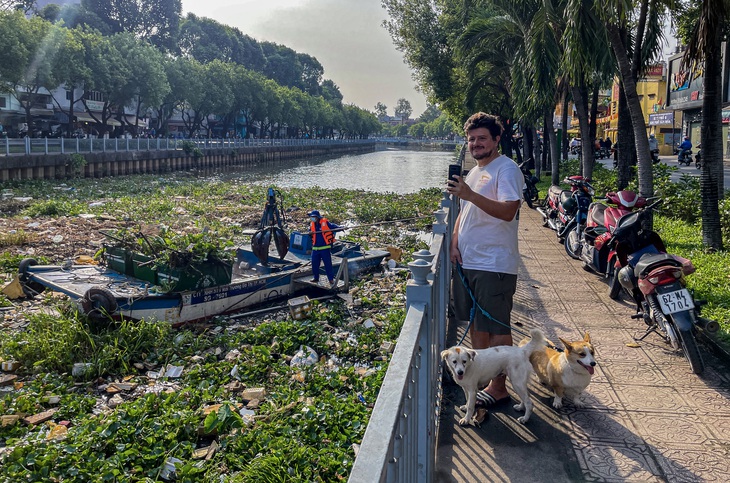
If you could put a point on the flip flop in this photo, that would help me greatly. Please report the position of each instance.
(486, 400)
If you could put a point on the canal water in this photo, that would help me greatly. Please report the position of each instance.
(386, 171)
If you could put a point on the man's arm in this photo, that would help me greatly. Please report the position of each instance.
(503, 210)
(454, 253)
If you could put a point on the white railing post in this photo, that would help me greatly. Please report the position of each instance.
(77, 144)
(46, 144)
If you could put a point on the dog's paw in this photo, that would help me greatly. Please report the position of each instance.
(519, 407)
(463, 422)
(523, 419)
(578, 403)
(557, 403)
(462, 408)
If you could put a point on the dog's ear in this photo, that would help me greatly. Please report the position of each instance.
(567, 344)
(587, 338)
(471, 353)
(444, 354)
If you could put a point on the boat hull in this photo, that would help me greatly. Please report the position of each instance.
(136, 299)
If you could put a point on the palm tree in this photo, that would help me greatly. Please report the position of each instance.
(633, 53)
(510, 45)
(705, 46)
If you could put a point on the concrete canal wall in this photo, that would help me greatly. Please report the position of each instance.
(101, 164)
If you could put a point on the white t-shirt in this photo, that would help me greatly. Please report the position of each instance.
(487, 243)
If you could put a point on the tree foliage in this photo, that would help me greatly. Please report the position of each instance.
(156, 21)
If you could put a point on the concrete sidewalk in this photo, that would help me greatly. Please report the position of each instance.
(648, 418)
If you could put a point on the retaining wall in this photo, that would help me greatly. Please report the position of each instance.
(101, 164)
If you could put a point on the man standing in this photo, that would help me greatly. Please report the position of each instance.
(322, 239)
(484, 242)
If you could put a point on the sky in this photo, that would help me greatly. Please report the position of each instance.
(346, 37)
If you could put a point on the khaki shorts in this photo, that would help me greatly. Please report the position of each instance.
(493, 292)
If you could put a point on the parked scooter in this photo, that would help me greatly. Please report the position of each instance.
(561, 206)
(655, 280)
(575, 226)
(530, 191)
(603, 216)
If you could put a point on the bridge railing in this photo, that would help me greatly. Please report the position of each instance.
(399, 444)
(89, 145)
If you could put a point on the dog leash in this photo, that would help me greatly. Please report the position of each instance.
(475, 305)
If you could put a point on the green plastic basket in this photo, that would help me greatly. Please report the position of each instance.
(144, 268)
(195, 276)
(119, 259)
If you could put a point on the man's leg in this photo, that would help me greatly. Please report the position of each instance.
(315, 265)
(495, 292)
(485, 340)
(327, 260)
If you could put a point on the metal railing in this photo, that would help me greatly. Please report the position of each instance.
(29, 145)
(399, 444)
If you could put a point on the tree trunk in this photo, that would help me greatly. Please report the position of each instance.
(587, 152)
(550, 130)
(538, 153)
(711, 178)
(594, 111)
(527, 142)
(625, 139)
(641, 142)
(564, 121)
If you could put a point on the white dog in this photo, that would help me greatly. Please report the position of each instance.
(475, 368)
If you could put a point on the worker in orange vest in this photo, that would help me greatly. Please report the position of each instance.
(323, 237)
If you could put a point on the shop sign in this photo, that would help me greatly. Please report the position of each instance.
(725, 117)
(661, 119)
(686, 87)
(655, 71)
(95, 105)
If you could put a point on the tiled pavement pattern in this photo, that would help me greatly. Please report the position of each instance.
(647, 419)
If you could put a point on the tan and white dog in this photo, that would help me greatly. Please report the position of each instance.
(473, 369)
(567, 373)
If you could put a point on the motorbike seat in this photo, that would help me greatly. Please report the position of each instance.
(555, 191)
(564, 196)
(596, 215)
(650, 261)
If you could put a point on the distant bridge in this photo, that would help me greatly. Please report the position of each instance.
(416, 144)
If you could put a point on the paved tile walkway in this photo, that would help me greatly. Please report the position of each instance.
(648, 418)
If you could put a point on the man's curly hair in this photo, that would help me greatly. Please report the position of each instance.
(482, 119)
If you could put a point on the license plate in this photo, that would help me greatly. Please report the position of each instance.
(676, 301)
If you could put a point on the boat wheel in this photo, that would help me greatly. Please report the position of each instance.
(30, 288)
(99, 304)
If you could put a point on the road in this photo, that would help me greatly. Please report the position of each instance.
(672, 161)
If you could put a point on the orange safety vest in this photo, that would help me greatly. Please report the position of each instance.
(324, 227)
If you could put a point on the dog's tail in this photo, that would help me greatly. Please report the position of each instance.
(537, 341)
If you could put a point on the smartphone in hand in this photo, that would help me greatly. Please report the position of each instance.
(454, 169)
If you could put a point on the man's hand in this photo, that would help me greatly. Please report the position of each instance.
(455, 254)
(458, 187)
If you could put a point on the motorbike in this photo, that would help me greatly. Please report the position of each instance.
(594, 247)
(530, 191)
(654, 156)
(656, 281)
(698, 157)
(561, 206)
(685, 157)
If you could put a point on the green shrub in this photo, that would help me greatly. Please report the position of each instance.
(77, 162)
